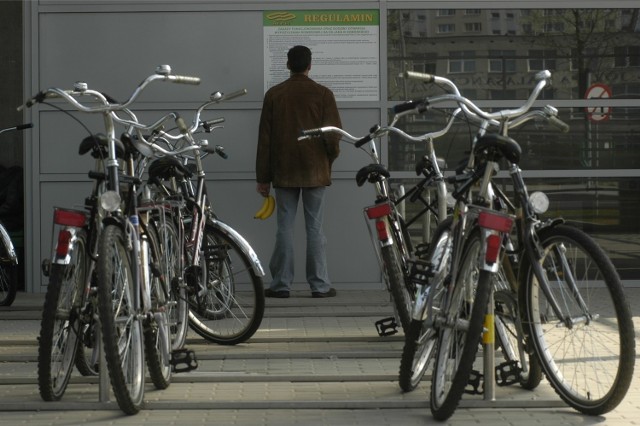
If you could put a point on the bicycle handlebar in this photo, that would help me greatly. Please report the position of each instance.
(163, 73)
(543, 79)
(18, 128)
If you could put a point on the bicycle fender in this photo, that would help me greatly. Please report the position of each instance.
(242, 243)
(8, 246)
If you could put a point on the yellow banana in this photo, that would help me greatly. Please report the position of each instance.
(263, 208)
(268, 205)
(270, 208)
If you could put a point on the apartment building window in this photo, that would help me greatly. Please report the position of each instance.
(472, 27)
(542, 60)
(502, 61)
(446, 28)
(472, 11)
(462, 61)
(446, 12)
(554, 27)
(428, 66)
(626, 56)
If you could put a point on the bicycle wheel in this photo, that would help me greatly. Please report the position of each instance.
(520, 364)
(459, 331)
(588, 351)
(226, 297)
(421, 336)
(395, 271)
(157, 339)
(120, 324)
(171, 265)
(88, 354)
(60, 326)
(8, 283)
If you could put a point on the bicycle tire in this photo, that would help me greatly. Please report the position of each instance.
(171, 253)
(88, 354)
(514, 347)
(594, 379)
(157, 339)
(420, 337)
(460, 343)
(60, 325)
(396, 277)
(228, 308)
(121, 327)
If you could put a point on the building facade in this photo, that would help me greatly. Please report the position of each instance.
(490, 49)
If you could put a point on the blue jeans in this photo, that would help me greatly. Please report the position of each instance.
(282, 259)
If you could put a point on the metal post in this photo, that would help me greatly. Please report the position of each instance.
(103, 388)
(488, 341)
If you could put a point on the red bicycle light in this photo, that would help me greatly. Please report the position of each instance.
(497, 222)
(73, 218)
(381, 227)
(64, 240)
(493, 248)
(379, 210)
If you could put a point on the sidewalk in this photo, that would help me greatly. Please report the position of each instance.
(312, 362)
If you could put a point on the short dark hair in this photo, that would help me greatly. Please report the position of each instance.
(299, 58)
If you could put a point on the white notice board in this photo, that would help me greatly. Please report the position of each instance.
(345, 47)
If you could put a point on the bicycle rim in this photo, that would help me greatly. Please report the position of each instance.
(459, 332)
(518, 364)
(121, 328)
(59, 329)
(590, 363)
(157, 337)
(394, 271)
(171, 264)
(416, 354)
(226, 299)
(8, 283)
(421, 336)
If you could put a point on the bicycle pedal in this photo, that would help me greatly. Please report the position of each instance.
(422, 250)
(420, 271)
(475, 384)
(508, 373)
(387, 326)
(183, 360)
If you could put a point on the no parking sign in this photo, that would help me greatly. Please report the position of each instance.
(598, 91)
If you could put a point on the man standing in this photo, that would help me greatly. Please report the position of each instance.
(297, 168)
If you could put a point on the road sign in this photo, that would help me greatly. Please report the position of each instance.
(598, 91)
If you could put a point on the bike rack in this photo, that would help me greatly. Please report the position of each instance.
(489, 356)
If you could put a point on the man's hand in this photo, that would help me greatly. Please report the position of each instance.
(263, 189)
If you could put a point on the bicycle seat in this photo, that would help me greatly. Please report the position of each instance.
(425, 166)
(166, 168)
(98, 144)
(493, 147)
(371, 173)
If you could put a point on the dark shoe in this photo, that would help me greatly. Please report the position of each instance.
(330, 293)
(279, 294)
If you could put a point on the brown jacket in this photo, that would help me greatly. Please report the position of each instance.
(294, 105)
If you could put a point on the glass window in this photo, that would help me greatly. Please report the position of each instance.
(472, 27)
(446, 28)
(463, 61)
(502, 61)
(627, 56)
(542, 60)
(446, 12)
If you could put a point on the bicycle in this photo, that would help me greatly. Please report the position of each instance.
(131, 290)
(221, 275)
(8, 255)
(552, 287)
(394, 249)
